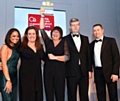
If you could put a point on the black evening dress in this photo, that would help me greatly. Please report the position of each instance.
(54, 71)
(30, 75)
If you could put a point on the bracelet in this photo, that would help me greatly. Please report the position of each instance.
(8, 79)
(55, 58)
(42, 16)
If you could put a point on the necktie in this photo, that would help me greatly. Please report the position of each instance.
(98, 40)
(77, 35)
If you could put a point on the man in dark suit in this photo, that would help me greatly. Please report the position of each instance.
(105, 59)
(78, 68)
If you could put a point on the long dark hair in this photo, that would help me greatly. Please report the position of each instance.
(25, 39)
(7, 38)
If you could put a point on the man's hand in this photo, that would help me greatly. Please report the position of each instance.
(90, 75)
(114, 77)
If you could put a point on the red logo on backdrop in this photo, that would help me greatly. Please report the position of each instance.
(34, 20)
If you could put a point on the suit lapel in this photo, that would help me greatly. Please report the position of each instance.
(103, 44)
(81, 42)
(92, 52)
(93, 44)
(72, 42)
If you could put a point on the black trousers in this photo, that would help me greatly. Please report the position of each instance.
(101, 86)
(73, 82)
(54, 85)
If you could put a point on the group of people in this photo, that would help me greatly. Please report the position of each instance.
(70, 57)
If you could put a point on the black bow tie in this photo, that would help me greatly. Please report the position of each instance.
(77, 35)
(98, 40)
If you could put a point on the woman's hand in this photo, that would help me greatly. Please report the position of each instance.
(8, 87)
(51, 56)
(42, 10)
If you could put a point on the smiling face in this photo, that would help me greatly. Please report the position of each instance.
(75, 26)
(56, 35)
(31, 35)
(98, 31)
(14, 38)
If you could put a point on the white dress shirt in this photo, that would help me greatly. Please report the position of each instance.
(97, 52)
(77, 42)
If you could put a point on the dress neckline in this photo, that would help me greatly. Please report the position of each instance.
(32, 49)
(57, 43)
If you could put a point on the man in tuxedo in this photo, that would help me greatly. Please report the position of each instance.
(105, 59)
(78, 68)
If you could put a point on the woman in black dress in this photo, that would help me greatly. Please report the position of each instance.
(56, 55)
(30, 75)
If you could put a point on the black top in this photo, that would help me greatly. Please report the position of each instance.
(30, 74)
(61, 49)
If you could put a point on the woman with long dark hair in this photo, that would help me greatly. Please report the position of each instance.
(30, 75)
(9, 59)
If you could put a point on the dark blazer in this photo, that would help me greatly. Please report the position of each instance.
(72, 66)
(110, 57)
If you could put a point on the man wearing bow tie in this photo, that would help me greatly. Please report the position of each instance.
(105, 59)
(78, 68)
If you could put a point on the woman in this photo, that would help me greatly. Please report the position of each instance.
(30, 76)
(9, 58)
(56, 55)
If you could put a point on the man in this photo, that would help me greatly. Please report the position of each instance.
(105, 59)
(79, 65)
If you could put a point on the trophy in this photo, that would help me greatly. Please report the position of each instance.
(48, 7)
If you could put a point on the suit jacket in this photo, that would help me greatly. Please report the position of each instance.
(110, 58)
(72, 66)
